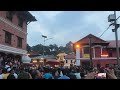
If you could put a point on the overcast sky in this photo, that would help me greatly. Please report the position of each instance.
(65, 26)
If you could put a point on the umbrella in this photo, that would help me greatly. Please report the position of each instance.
(26, 59)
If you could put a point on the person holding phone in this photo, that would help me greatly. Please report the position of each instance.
(110, 73)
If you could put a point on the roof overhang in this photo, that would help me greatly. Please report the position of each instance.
(28, 16)
(8, 49)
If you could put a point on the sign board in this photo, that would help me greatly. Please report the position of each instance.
(86, 55)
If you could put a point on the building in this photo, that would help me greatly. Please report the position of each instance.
(103, 52)
(34, 54)
(49, 59)
(13, 32)
(69, 60)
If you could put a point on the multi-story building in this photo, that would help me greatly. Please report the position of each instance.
(13, 31)
(103, 52)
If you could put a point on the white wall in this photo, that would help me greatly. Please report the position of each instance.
(69, 62)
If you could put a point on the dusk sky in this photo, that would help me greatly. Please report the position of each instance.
(65, 26)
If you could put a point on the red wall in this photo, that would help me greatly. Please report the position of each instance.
(101, 62)
(97, 52)
(15, 32)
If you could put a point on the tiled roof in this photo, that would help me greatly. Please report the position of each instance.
(95, 39)
(70, 56)
(33, 53)
(112, 43)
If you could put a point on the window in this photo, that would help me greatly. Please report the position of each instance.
(66, 61)
(20, 21)
(8, 37)
(9, 15)
(71, 61)
(86, 50)
(19, 42)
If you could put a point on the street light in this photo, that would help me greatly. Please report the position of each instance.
(44, 43)
(113, 20)
(77, 46)
(48, 39)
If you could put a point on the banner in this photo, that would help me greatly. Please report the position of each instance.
(86, 55)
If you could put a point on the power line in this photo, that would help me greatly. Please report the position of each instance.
(105, 30)
(118, 18)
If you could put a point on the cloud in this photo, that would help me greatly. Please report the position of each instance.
(65, 26)
(51, 14)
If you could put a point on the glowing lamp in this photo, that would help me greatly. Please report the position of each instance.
(40, 61)
(34, 61)
(77, 46)
(104, 55)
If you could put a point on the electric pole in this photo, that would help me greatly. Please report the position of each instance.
(113, 20)
(90, 51)
(116, 36)
(43, 49)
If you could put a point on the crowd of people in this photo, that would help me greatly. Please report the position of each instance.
(14, 69)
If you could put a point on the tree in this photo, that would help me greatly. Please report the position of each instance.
(28, 48)
(38, 48)
(52, 49)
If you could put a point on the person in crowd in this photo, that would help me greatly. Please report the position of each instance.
(110, 73)
(32, 72)
(64, 75)
(15, 74)
(77, 74)
(5, 73)
(23, 74)
(11, 75)
(82, 73)
(47, 75)
(101, 70)
(71, 73)
(55, 74)
(73, 77)
(90, 75)
(95, 70)
(1, 60)
(38, 75)
(1, 76)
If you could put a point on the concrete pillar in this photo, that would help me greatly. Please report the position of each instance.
(94, 51)
(77, 56)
